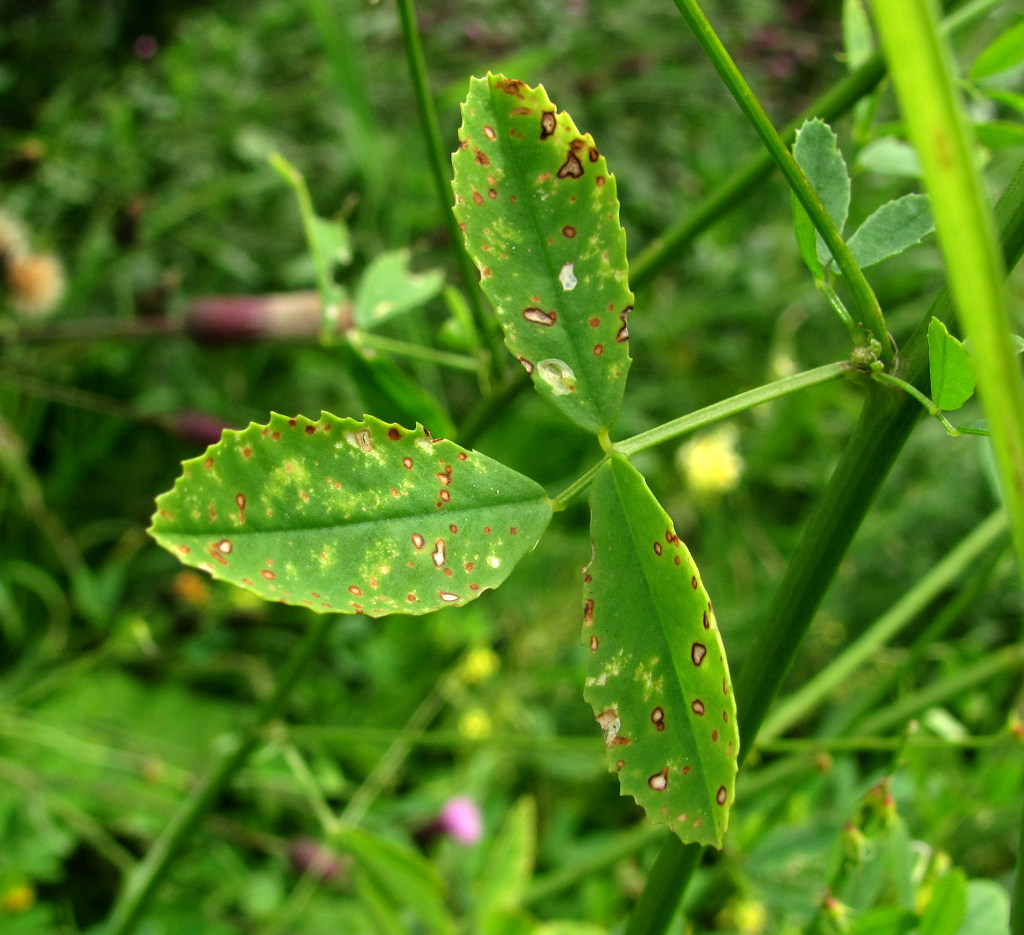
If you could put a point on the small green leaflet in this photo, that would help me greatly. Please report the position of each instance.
(540, 215)
(389, 288)
(657, 677)
(816, 150)
(350, 517)
(951, 371)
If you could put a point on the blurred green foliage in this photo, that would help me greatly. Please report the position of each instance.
(143, 166)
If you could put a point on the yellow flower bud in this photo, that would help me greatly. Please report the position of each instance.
(710, 464)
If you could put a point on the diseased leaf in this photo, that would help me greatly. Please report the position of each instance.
(389, 288)
(350, 517)
(540, 214)
(890, 230)
(816, 151)
(950, 368)
(657, 676)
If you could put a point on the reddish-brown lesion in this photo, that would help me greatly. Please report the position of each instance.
(548, 123)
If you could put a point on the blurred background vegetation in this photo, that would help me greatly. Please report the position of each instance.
(134, 144)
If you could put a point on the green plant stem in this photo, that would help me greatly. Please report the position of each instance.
(885, 424)
(928, 405)
(951, 569)
(868, 313)
(732, 406)
(432, 355)
(919, 64)
(142, 883)
(440, 168)
(576, 487)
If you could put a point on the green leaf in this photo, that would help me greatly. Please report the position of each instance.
(884, 920)
(806, 239)
(858, 40)
(389, 288)
(947, 907)
(657, 676)
(508, 868)
(1006, 98)
(890, 156)
(332, 241)
(999, 134)
(540, 214)
(350, 517)
(816, 151)
(988, 909)
(402, 875)
(1004, 53)
(894, 227)
(950, 368)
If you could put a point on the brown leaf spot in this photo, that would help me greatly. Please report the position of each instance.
(224, 546)
(445, 496)
(511, 86)
(394, 434)
(477, 197)
(447, 596)
(539, 317)
(706, 622)
(453, 528)
(184, 549)
(572, 168)
(240, 501)
(410, 597)
(599, 181)
(490, 134)
(310, 429)
(246, 452)
(721, 795)
(659, 781)
(697, 707)
(697, 653)
(292, 423)
(588, 613)
(354, 590)
(598, 350)
(569, 231)
(208, 463)
(693, 582)
(481, 157)
(513, 531)
(445, 479)
(407, 463)
(658, 718)
(491, 193)
(548, 122)
(657, 548)
(619, 764)
(438, 555)
(527, 364)
(594, 643)
(714, 736)
(268, 574)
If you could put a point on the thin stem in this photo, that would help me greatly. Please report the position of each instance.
(431, 355)
(142, 883)
(928, 405)
(870, 322)
(440, 168)
(576, 487)
(732, 406)
(903, 612)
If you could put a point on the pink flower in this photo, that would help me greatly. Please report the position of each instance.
(460, 819)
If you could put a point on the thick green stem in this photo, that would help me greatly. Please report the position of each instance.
(884, 426)
(868, 313)
(441, 169)
(142, 883)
